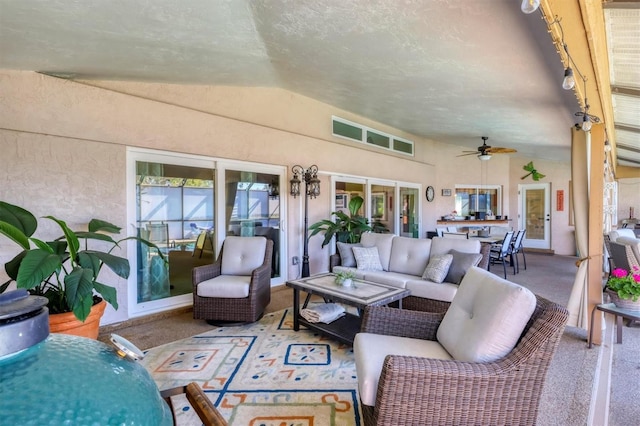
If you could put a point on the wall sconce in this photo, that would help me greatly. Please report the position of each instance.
(311, 189)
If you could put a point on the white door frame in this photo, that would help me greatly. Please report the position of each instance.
(545, 241)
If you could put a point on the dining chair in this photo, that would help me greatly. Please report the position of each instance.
(500, 252)
(517, 247)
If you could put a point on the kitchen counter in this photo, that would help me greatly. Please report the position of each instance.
(495, 222)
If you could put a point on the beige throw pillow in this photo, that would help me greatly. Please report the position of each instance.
(367, 258)
(437, 268)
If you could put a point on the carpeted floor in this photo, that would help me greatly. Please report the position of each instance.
(572, 378)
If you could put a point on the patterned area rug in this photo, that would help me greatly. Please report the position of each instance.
(262, 374)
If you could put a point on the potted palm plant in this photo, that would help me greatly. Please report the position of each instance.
(347, 228)
(65, 270)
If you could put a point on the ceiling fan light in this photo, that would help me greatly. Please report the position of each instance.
(529, 6)
(568, 82)
(484, 157)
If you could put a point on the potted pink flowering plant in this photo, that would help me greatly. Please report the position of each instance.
(624, 288)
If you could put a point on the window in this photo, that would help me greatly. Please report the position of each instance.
(478, 200)
(358, 133)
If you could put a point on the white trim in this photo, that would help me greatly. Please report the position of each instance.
(363, 140)
(219, 166)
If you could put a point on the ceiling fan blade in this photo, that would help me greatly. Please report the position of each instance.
(468, 153)
(499, 150)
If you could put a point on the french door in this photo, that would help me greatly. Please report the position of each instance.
(535, 214)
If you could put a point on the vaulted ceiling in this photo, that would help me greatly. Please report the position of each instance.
(447, 70)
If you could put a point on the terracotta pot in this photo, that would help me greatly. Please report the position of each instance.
(67, 323)
(623, 303)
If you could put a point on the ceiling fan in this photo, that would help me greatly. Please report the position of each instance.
(485, 151)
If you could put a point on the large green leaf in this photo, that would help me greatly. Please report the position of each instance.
(70, 236)
(119, 265)
(79, 292)
(95, 236)
(14, 234)
(108, 293)
(19, 218)
(36, 267)
(97, 225)
(12, 267)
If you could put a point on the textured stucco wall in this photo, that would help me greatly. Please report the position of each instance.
(63, 149)
(64, 144)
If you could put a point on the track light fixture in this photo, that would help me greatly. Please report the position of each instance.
(529, 6)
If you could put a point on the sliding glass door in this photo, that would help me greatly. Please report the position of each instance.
(174, 210)
(187, 205)
(252, 208)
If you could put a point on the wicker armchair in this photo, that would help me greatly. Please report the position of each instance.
(218, 294)
(413, 391)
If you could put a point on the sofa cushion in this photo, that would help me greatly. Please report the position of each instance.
(346, 254)
(486, 317)
(382, 242)
(633, 242)
(367, 258)
(370, 351)
(241, 255)
(622, 232)
(429, 290)
(395, 279)
(409, 255)
(437, 268)
(460, 264)
(225, 286)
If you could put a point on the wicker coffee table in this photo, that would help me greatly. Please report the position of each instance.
(361, 294)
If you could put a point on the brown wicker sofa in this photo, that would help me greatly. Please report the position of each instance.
(437, 302)
(416, 391)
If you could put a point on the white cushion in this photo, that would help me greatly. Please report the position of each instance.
(382, 242)
(395, 279)
(367, 258)
(437, 268)
(346, 254)
(486, 317)
(409, 255)
(429, 290)
(226, 286)
(241, 255)
(633, 242)
(622, 232)
(370, 351)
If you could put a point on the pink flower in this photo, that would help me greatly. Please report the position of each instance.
(636, 278)
(619, 273)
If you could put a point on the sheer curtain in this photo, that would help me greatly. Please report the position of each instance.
(578, 301)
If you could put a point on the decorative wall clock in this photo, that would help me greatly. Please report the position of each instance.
(430, 193)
